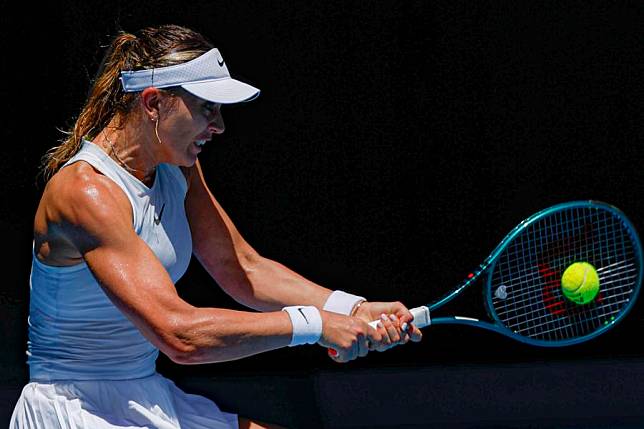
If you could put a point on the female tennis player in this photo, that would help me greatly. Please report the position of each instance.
(125, 207)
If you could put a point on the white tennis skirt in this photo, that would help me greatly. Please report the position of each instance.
(151, 402)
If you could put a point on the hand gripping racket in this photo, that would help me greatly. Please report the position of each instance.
(522, 276)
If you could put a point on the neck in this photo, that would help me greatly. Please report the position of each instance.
(129, 151)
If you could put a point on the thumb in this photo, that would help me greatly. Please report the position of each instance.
(405, 316)
(415, 334)
(337, 356)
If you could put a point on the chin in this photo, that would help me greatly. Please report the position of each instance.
(188, 163)
(185, 160)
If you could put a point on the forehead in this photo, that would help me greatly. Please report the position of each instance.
(181, 99)
(185, 95)
(189, 100)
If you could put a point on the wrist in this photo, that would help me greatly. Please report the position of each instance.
(306, 322)
(357, 306)
(343, 303)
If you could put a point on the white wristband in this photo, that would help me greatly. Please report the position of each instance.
(342, 302)
(307, 324)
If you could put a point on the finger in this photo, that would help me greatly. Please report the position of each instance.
(416, 334)
(383, 341)
(395, 321)
(336, 356)
(405, 318)
(401, 336)
(397, 307)
(400, 310)
(351, 352)
(392, 327)
(333, 353)
(375, 336)
(363, 346)
(407, 330)
(365, 340)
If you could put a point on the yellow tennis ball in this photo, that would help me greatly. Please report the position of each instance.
(580, 283)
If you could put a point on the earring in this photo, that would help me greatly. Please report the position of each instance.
(156, 129)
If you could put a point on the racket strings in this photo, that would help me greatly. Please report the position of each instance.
(529, 285)
(540, 317)
(584, 319)
(526, 296)
(528, 276)
(571, 322)
(559, 246)
(529, 269)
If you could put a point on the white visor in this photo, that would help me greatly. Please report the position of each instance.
(206, 77)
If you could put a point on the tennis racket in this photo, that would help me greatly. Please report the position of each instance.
(521, 278)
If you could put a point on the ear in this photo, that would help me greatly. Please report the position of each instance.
(151, 99)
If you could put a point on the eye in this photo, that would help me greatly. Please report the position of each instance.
(209, 108)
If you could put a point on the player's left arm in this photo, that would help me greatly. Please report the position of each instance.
(249, 278)
(261, 283)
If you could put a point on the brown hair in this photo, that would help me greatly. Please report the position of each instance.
(150, 47)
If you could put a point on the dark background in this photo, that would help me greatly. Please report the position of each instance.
(393, 146)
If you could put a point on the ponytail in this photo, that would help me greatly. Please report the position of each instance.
(105, 100)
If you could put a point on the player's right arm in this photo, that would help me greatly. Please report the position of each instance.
(83, 215)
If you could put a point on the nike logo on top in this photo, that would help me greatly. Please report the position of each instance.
(157, 219)
(221, 63)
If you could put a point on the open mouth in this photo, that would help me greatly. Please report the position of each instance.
(200, 143)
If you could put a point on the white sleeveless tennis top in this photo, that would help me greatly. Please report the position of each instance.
(75, 332)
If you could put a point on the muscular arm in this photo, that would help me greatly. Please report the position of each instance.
(259, 282)
(90, 213)
(248, 277)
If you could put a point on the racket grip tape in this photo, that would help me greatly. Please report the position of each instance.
(421, 320)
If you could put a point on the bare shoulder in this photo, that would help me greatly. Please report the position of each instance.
(79, 192)
(80, 206)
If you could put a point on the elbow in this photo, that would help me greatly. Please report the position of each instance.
(190, 342)
(181, 353)
(178, 347)
(193, 355)
(174, 336)
(248, 260)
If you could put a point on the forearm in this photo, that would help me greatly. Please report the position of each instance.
(266, 285)
(209, 335)
(249, 278)
(269, 286)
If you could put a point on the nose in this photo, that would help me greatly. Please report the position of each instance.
(216, 125)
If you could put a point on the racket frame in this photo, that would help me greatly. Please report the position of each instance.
(488, 265)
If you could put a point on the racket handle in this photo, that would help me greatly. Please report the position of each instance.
(421, 319)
